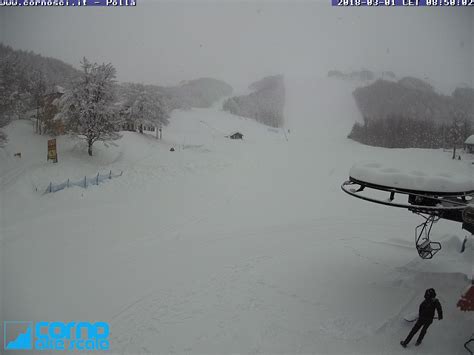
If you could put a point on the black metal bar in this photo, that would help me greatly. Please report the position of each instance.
(466, 347)
(409, 191)
(413, 208)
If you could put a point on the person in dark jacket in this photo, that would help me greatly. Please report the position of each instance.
(425, 317)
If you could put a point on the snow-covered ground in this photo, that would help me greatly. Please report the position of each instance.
(226, 246)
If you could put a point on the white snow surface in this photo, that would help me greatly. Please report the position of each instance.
(449, 177)
(226, 246)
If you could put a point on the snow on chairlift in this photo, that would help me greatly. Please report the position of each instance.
(418, 201)
(451, 203)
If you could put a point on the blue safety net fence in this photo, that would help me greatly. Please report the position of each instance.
(84, 182)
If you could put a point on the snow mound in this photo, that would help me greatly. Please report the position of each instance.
(346, 328)
(453, 178)
(459, 250)
(453, 244)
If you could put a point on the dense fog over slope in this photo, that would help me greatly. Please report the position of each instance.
(165, 42)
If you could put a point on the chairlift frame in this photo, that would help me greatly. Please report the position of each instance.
(431, 205)
(434, 202)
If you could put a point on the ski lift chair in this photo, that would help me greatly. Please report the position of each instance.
(425, 247)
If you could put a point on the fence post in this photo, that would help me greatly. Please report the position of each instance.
(110, 174)
(85, 182)
(67, 183)
(97, 179)
(50, 186)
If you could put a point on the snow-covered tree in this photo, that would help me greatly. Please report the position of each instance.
(143, 106)
(9, 92)
(3, 138)
(24, 79)
(265, 104)
(3, 122)
(10, 80)
(88, 108)
(457, 130)
(38, 91)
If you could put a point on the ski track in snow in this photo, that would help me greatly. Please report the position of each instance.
(226, 246)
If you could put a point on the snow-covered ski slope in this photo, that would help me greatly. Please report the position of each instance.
(226, 246)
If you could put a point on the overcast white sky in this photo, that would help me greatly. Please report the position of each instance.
(166, 42)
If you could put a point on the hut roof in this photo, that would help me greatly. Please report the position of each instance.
(469, 140)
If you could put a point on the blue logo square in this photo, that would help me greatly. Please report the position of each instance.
(17, 335)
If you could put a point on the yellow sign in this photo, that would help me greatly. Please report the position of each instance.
(52, 151)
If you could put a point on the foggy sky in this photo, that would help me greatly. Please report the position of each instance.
(166, 42)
